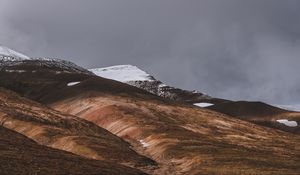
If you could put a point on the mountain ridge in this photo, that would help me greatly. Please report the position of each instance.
(134, 76)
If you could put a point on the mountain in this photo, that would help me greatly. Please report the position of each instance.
(134, 76)
(180, 138)
(99, 118)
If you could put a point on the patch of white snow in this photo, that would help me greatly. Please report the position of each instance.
(17, 71)
(122, 73)
(145, 145)
(203, 105)
(287, 122)
(73, 83)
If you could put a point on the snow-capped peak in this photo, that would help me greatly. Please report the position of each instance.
(123, 73)
(134, 76)
(6, 52)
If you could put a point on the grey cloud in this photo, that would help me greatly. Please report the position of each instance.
(236, 49)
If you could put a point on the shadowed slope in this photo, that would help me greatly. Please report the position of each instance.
(20, 155)
(244, 108)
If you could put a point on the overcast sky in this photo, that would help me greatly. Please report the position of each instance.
(236, 49)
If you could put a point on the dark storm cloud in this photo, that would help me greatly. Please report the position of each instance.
(237, 49)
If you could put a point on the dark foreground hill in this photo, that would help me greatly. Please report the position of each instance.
(21, 155)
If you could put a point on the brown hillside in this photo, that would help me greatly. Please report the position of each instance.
(54, 129)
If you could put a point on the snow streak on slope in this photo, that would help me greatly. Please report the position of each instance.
(203, 105)
(123, 73)
(9, 54)
(73, 83)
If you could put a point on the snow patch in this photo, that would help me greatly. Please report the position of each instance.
(17, 71)
(145, 145)
(203, 105)
(73, 83)
(287, 122)
(122, 73)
